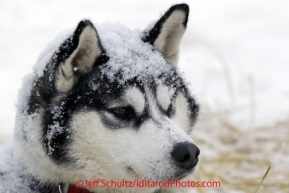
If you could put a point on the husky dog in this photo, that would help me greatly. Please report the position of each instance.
(104, 103)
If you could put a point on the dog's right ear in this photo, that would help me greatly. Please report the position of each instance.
(77, 56)
(167, 32)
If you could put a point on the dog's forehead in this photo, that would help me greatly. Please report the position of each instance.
(140, 97)
(129, 55)
(164, 95)
(131, 96)
(132, 64)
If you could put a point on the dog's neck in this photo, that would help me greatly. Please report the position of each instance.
(75, 189)
(71, 189)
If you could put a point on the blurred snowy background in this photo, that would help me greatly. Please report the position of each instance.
(235, 54)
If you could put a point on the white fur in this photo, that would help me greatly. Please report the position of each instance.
(164, 96)
(181, 114)
(135, 98)
(107, 153)
(99, 151)
(31, 152)
(170, 37)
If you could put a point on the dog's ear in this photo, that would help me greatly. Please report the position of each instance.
(168, 31)
(77, 56)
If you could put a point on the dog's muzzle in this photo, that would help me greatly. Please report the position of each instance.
(185, 155)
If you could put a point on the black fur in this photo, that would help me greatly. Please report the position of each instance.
(45, 89)
(58, 108)
(71, 43)
(83, 97)
(37, 186)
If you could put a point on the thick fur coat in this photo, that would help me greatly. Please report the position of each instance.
(104, 102)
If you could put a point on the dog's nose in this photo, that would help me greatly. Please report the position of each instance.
(186, 155)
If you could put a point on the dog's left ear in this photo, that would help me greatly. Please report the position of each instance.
(167, 33)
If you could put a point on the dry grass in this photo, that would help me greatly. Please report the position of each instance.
(239, 158)
(243, 160)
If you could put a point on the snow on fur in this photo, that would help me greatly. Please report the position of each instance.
(17, 179)
(129, 56)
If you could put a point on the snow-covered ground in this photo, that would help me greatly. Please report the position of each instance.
(235, 54)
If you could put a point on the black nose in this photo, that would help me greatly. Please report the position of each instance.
(185, 155)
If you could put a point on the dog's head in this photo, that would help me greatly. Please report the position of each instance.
(114, 106)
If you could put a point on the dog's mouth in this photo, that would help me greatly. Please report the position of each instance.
(182, 175)
(132, 173)
(178, 176)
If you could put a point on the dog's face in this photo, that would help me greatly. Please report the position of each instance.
(134, 129)
(114, 105)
